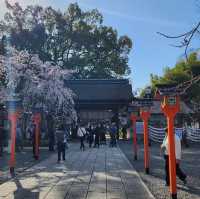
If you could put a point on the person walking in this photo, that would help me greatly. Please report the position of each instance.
(31, 130)
(65, 141)
(50, 131)
(164, 147)
(124, 133)
(19, 138)
(81, 133)
(60, 140)
(103, 134)
(97, 136)
(90, 135)
(66, 136)
(113, 135)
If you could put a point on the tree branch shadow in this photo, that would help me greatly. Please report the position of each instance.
(22, 192)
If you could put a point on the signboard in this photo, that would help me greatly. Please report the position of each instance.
(145, 102)
(145, 108)
(134, 110)
(171, 100)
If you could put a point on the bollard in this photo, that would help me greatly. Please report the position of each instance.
(14, 109)
(13, 119)
(145, 114)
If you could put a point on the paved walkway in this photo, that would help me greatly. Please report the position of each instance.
(102, 173)
(24, 160)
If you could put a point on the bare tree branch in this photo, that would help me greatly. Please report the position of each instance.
(174, 37)
(186, 38)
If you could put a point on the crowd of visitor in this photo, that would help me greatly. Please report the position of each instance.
(94, 134)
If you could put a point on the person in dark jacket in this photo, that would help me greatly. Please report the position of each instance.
(103, 134)
(31, 131)
(60, 140)
(19, 137)
(113, 135)
(90, 135)
(97, 136)
(82, 133)
(51, 132)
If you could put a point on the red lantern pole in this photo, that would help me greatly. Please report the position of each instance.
(133, 119)
(37, 120)
(145, 114)
(13, 119)
(170, 111)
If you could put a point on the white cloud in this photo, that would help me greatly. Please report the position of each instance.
(150, 20)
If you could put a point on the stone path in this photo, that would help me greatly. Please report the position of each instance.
(102, 173)
(24, 160)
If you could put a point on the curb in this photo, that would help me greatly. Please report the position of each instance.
(151, 196)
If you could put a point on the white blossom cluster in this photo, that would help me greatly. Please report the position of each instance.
(38, 84)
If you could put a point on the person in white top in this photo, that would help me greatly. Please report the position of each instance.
(81, 134)
(164, 147)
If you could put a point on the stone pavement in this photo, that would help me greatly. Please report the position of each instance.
(24, 160)
(102, 173)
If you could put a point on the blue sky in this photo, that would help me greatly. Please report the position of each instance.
(140, 20)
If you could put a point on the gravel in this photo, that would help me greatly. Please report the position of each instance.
(155, 181)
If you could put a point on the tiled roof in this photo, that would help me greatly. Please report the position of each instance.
(105, 90)
(156, 109)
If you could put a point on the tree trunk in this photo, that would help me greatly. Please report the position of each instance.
(51, 133)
